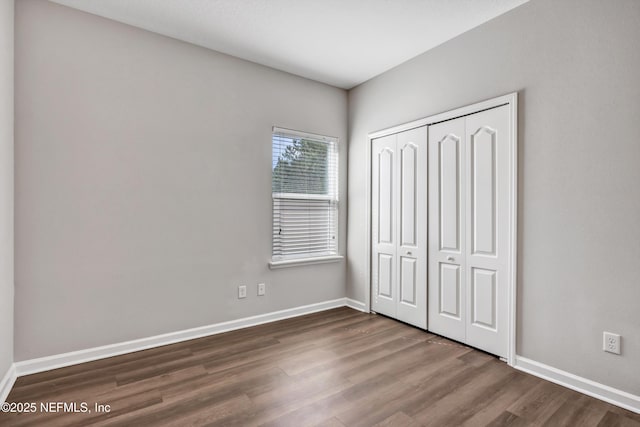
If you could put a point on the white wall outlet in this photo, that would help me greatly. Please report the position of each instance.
(261, 289)
(611, 342)
(242, 291)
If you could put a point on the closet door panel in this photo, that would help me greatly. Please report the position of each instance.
(487, 219)
(449, 155)
(449, 304)
(408, 282)
(447, 294)
(412, 226)
(383, 226)
(385, 275)
(386, 218)
(408, 193)
(483, 191)
(483, 290)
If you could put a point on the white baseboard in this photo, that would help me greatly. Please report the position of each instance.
(574, 382)
(7, 383)
(356, 305)
(47, 363)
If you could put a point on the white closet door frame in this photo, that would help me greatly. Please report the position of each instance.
(512, 101)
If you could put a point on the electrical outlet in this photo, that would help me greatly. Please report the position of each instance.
(611, 342)
(261, 289)
(242, 291)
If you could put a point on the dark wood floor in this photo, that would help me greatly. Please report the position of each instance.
(335, 368)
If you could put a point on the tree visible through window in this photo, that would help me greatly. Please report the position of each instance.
(301, 168)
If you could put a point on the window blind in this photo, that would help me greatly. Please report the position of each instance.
(305, 195)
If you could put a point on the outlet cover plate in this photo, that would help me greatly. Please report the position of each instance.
(611, 342)
(242, 291)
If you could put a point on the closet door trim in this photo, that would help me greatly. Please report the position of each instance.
(512, 101)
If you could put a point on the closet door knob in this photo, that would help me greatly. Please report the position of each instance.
(450, 258)
(408, 252)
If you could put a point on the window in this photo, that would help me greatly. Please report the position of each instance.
(304, 185)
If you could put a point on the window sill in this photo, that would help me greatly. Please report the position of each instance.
(304, 261)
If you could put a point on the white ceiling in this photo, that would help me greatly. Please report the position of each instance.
(339, 42)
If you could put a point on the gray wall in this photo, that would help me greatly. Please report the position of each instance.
(143, 182)
(576, 65)
(6, 185)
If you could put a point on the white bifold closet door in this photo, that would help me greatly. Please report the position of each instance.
(469, 229)
(399, 226)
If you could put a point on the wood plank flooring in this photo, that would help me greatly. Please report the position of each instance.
(335, 368)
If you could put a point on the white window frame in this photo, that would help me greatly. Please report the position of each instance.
(306, 259)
